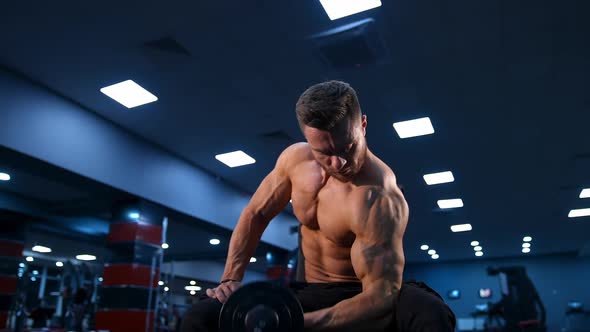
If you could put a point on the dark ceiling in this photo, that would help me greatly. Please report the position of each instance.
(504, 82)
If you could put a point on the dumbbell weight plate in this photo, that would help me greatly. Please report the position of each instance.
(261, 307)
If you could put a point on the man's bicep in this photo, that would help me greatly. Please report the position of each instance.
(377, 253)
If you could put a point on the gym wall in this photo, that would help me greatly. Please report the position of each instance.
(558, 279)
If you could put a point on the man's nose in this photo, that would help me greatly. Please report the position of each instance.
(337, 162)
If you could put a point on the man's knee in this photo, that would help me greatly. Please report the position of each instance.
(440, 316)
(437, 317)
(421, 309)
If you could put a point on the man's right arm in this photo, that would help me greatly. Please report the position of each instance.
(270, 199)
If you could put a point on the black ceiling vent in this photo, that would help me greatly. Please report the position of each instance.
(166, 45)
(353, 45)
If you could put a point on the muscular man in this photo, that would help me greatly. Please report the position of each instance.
(353, 218)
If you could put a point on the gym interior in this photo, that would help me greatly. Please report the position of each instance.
(116, 214)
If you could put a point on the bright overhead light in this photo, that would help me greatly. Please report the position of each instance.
(461, 228)
(438, 178)
(431, 252)
(166, 289)
(192, 282)
(4, 177)
(526, 250)
(86, 257)
(214, 242)
(235, 159)
(21, 265)
(165, 245)
(527, 239)
(479, 253)
(41, 249)
(478, 248)
(100, 279)
(33, 279)
(450, 203)
(129, 94)
(413, 128)
(59, 264)
(193, 292)
(192, 288)
(424, 247)
(575, 213)
(435, 256)
(252, 259)
(160, 283)
(526, 245)
(584, 194)
(35, 272)
(134, 215)
(341, 8)
(474, 243)
(29, 259)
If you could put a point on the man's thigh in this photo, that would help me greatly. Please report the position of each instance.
(421, 309)
(319, 296)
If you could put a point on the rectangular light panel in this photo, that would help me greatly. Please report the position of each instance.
(579, 213)
(341, 8)
(129, 94)
(413, 128)
(42, 249)
(585, 193)
(86, 257)
(438, 178)
(450, 203)
(461, 228)
(235, 159)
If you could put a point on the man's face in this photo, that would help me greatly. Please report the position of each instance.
(342, 150)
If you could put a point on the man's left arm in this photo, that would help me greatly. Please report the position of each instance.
(378, 260)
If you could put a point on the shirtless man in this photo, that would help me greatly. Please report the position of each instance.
(353, 218)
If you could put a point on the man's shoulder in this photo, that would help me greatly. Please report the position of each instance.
(298, 148)
(380, 179)
(296, 153)
(380, 188)
(378, 202)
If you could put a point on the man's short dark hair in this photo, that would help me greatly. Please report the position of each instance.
(324, 105)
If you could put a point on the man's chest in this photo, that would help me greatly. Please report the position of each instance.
(325, 207)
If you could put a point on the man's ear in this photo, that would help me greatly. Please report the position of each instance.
(364, 124)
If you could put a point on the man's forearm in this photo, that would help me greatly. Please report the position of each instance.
(363, 312)
(242, 245)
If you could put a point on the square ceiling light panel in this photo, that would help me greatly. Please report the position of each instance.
(450, 203)
(438, 178)
(341, 8)
(129, 94)
(235, 158)
(461, 228)
(413, 128)
(576, 213)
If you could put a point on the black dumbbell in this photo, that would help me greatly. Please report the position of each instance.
(261, 307)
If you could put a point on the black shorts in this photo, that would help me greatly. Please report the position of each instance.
(417, 309)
